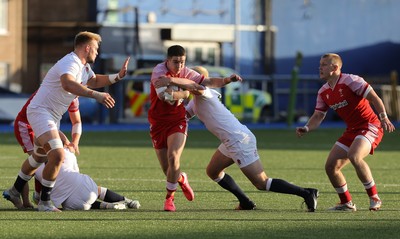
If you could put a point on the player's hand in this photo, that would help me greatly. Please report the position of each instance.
(161, 81)
(387, 125)
(124, 68)
(74, 147)
(103, 98)
(235, 78)
(232, 78)
(300, 131)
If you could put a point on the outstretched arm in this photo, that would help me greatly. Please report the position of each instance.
(213, 82)
(217, 82)
(104, 80)
(313, 123)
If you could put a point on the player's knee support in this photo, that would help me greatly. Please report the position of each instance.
(52, 145)
(39, 151)
(33, 163)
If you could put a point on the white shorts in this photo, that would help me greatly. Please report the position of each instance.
(42, 121)
(84, 196)
(242, 153)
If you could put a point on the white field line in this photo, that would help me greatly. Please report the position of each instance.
(197, 181)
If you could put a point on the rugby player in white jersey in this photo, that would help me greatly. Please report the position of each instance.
(68, 78)
(76, 191)
(239, 145)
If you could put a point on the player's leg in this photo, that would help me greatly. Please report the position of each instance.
(28, 169)
(162, 157)
(25, 137)
(53, 146)
(215, 170)
(337, 159)
(176, 143)
(256, 174)
(83, 198)
(359, 149)
(24, 134)
(108, 196)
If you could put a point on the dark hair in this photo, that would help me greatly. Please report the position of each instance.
(176, 50)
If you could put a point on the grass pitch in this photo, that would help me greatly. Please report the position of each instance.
(125, 162)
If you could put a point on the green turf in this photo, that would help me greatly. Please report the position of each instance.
(125, 162)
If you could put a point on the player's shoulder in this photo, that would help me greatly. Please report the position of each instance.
(323, 88)
(350, 78)
(159, 70)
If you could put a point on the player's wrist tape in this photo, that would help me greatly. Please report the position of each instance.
(169, 97)
(77, 128)
(306, 128)
(382, 115)
(114, 78)
(161, 89)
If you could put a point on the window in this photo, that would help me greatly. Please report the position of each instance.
(3, 16)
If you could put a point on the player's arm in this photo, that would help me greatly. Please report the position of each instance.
(167, 93)
(183, 83)
(312, 124)
(76, 132)
(374, 99)
(212, 82)
(69, 84)
(217, 82)
(104, 80)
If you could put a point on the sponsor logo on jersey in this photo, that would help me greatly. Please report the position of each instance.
(339, 105)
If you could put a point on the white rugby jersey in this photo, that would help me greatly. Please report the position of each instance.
(217, 118)
(68, 180)
(51, 95)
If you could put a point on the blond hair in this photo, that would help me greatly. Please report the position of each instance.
(201, 70)
(85, 37)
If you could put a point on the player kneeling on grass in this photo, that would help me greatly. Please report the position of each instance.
(76, 191)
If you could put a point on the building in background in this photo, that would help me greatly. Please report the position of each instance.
(253, 37)
(12, 44)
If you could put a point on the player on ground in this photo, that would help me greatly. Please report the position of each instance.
(238, 145)
(350, 96)
(69, 77)
(89, 196)
(168, 126)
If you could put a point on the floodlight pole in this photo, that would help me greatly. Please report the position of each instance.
(237, 36)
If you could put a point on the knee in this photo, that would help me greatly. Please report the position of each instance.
(331, 167)
(355, 159)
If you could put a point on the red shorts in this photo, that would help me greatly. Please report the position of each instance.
(160, 132)
(373, 133)
(24, 134)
